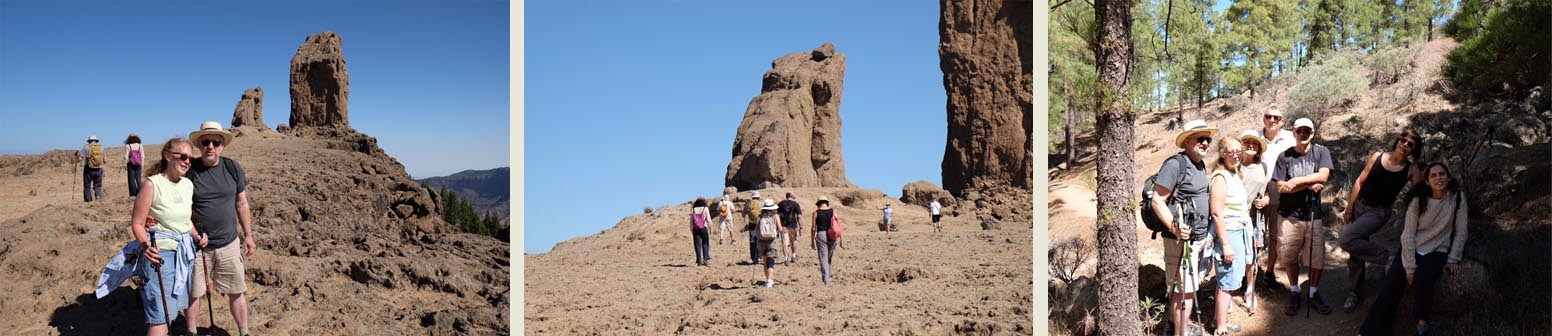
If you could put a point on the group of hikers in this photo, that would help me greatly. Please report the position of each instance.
(774, 228)
(191, 229)
(1261, 191)
(92, 158)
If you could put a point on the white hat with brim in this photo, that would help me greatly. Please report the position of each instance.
(1251, 134)
(1193, 127)
(93, 137)
(208, 128)
(769, 205)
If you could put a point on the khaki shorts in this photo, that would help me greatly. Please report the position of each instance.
(1173, 270)
(226, 269)
(1294, 242)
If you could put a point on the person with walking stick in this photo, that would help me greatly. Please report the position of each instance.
(169, 244)
(1300, 176)
(221, 210)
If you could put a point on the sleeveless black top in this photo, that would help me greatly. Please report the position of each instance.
(822, 219)
(1382, 186)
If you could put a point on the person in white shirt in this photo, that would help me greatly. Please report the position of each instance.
(937, 215)
(1277, 141)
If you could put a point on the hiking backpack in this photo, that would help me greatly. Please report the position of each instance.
(698, 220)
(136, 156)
(94, 157)
(1150, 218)
(768, 229)
(722, 209)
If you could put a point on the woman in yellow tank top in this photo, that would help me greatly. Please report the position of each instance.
(1230, 211)
(168, 245)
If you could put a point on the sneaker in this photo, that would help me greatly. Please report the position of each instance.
(1293, 303)
(1351, 304)
(769, 283)
(1319, 305)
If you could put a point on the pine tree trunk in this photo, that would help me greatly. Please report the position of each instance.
(1117, 235)
(1068, 138)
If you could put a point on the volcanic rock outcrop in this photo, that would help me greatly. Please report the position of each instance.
(320, 86)
(985, 55)
(791, 132)
(250, 109)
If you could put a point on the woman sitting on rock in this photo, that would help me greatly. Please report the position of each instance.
(169, 244)
(1432, 238)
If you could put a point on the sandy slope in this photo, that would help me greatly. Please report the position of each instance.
(965, 280)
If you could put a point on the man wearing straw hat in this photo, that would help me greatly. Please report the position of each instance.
(221, 211)
(1183, 178)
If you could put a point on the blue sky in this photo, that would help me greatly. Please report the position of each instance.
(635, 104)
(429, 79)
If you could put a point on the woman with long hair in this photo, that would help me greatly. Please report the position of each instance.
(700, 217)
(168, 245)
(1373, 195)
(1433, 236)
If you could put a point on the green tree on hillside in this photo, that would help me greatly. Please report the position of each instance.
(1260, 37)
(1072, 73)
(458, 212)
(1508, 55)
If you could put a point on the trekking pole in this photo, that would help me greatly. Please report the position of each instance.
(1314, 202)
(209, 296)
(162, 290)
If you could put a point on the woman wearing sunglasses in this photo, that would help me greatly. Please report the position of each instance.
(1370, 207)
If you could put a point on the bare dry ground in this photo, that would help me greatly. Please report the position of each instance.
(639, 277)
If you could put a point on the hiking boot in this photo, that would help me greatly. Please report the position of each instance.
(1351, 304)
(1319, 305)
(1293, 303)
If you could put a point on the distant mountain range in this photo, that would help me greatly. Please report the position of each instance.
(487, 190)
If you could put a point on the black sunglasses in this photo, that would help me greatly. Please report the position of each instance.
(1203, 139)
(216, 143)
(1274, 118)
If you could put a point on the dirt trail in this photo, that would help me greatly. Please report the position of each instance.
(964, 280)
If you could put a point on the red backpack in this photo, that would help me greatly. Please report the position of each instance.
(835, 227)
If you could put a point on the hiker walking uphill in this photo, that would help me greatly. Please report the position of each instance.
(92, 159)
(168, 246)
(1230, 206)
(937, 214)
(768, 234)
(725, 220)
(221, 211)
(700, 216)
(1277, 140)
(1432, 238)
(1255, 176)
(1369, 208)
(752, 215)
(134, 156)
(889, 224)
(825, 237)
(1180, 200)
(1300, 175)
(791, 214)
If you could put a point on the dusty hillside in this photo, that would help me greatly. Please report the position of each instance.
(1500, 150)
(639, 277)
(348, 245)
